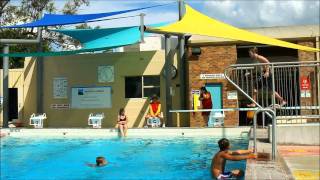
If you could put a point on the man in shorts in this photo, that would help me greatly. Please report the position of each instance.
(265, 80)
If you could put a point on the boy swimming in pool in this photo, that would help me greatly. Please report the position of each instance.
(219, 160)
(100, 161)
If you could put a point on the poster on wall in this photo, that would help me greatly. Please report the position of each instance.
(232, 95)
(105, 74)
(91, 97)
(60, 88)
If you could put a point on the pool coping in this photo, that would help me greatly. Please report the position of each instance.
(132, 132)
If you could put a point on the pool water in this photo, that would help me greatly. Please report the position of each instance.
(130, 158)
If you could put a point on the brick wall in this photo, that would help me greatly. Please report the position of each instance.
(308, 72)
(213, 59)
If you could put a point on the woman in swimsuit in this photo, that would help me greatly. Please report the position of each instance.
(122, 122)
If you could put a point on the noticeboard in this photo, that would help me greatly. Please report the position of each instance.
(91, 97)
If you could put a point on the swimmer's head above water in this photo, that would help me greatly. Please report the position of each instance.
(101, 161)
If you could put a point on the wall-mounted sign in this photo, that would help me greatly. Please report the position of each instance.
(305, 93)
(91, 97)
(232, 95)
(195, 91)
(304, 83)
(60, 88)
(105, 74)
(195, 99)
(60, 106)
(212, 76)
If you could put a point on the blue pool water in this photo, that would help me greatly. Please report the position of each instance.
(131, 158)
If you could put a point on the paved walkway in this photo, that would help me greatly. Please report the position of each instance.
(264, 168)
(302, 161)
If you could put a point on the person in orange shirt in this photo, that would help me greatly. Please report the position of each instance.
(154, 109)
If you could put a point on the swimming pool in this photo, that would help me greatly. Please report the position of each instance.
(130, 158)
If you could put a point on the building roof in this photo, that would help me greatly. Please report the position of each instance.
(279, 32)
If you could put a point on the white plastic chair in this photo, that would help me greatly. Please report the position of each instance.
(216, 119)
(95, 120)
(36, 120)
(154, 122)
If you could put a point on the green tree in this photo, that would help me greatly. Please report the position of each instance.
(28, 11)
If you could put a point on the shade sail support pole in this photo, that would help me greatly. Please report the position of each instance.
(142, 27)
(5, 87)
(182, 60)
(168, 65)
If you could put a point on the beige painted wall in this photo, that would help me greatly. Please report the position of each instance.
(23, 79)
(81, 70)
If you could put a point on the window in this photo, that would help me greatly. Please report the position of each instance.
(142, 86)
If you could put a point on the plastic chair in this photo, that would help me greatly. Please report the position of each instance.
(95, 120)
(154, 122)
(216, 119)
(36, 120)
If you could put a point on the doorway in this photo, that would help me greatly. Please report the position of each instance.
(13, 103)
(216, 97)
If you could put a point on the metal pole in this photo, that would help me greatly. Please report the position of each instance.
(142, 27)
(5, 86)
(168, 80)
(274, 140)
(318, 69)
(40, 76)
(181, 60)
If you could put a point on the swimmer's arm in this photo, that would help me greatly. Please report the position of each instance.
(241, 152)
(91, 165)
(238, 158)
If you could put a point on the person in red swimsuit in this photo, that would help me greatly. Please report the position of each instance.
(154, 108)
(205, 98)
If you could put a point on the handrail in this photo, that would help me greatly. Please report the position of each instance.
(274, 142)
(240, 109)
(277, 63)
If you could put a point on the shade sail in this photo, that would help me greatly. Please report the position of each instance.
(194, 22)
(93, 40)
(59, 19)
(100, 38)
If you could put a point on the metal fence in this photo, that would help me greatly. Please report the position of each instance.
(290, 88)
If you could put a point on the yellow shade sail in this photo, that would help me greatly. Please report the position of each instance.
(194, 22)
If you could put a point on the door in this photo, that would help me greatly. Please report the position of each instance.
(13, 103)
(216, 97)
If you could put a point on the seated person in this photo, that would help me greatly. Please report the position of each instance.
(219, 160)
(154, 109)
(122, 122)
(100, 161)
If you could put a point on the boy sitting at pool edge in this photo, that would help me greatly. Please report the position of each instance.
(219, 160)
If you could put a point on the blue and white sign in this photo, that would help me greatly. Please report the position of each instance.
(91, 97)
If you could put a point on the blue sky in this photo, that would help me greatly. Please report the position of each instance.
(240, 13)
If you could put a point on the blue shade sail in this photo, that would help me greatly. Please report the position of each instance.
(59, 19)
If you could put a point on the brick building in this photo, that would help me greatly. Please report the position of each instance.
(207, 55)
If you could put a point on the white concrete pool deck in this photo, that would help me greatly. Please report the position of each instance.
(133, 132)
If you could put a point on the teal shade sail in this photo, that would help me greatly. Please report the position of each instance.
(104, 38)
(94, 40)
